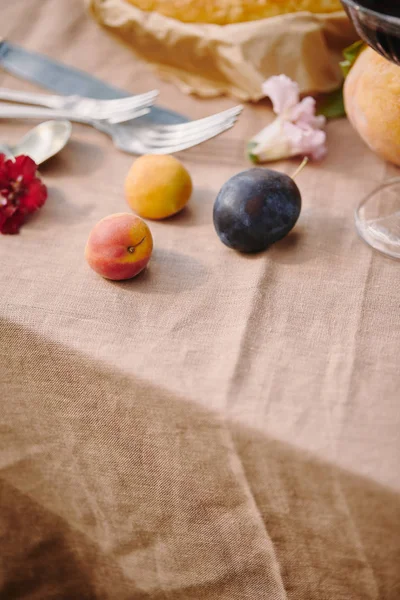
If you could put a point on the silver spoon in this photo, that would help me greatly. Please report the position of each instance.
(41, 142)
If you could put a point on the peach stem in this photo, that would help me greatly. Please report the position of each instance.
(131, 249)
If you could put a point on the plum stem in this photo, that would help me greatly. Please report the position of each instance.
(300, 167)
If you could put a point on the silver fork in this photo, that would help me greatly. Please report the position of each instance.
(148, 138)
(14, 111)
(115, 110)
(137, 137)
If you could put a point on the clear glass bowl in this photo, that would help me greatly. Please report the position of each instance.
(378, 216)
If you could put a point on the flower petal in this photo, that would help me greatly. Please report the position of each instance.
(304, 114)
(271, 143)
(12, 225)
(3, 171)
(8, 210)
(283, 92)
(306, 141)
(34, 197)
(22, 166)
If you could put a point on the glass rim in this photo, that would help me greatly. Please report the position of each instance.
(369, 11)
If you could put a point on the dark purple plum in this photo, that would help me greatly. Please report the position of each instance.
(255, 209)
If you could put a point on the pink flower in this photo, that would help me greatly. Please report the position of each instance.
(296, 130)
(21, 192)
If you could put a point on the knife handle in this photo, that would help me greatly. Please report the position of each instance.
(48, 100)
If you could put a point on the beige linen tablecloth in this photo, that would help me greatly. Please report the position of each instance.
(224, 427)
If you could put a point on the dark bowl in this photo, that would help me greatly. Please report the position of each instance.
(378, 30)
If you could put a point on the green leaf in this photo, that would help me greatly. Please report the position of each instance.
(253, 157)
(350, 55)
(332, 105)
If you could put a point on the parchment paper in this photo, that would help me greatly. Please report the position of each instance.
(210, 60)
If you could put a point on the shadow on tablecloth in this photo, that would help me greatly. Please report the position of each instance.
(112, 488)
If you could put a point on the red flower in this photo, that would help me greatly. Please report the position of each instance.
(21, 192)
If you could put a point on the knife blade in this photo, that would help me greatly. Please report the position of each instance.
(63, 79)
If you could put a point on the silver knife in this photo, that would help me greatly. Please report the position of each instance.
(64, 80)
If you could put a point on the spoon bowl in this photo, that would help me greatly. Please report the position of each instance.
(42, 142)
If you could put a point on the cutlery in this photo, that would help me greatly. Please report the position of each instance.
(167, 139)
(144, 135)
(115, 111)
(41, 142)
(63, 79)
(11, 111)
(144, 138)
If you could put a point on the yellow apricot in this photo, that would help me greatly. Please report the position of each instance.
(372, 101)
(157, 187)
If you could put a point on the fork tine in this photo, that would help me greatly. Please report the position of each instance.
(192, 130)
(127, 115)
(161, 130)
(139, 112)
(199, 123)
(133, 114)
(119, 114)
(153, 137)
(184, 145)
(183, 137)
(121, 104)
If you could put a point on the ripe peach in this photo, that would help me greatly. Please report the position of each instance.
(119, 246)
(157, 187)
(371, 94)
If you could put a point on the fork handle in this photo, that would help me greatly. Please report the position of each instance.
(11, 111)
(49, 100)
